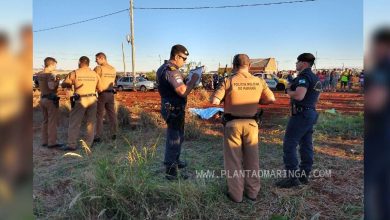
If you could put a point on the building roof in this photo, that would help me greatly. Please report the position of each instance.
(262, 63)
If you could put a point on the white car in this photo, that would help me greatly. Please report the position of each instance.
(142, 84)
(272, 81)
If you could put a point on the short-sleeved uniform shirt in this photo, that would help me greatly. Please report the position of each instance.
(47, 83)
(84, 80)
(242, 93)
(169, 78)
(310, 81)
(107, 74)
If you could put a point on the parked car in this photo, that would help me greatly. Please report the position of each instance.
(273, 81)
(142, 84)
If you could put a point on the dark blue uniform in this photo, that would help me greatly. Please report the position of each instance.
(172, 110)
(299, 129)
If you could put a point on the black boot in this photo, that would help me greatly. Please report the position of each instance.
(181, 164)
(171, 173)
(97, 140)
(304, 177)
(287, 182)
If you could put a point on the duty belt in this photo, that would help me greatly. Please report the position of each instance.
(303, 108)
(88, 95)
(173, 108)
(230, 117)
(47, 96)
(108, 90)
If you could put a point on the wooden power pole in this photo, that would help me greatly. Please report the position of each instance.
(132, 43)
(123, 59)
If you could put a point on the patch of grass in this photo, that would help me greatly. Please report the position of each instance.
(131, 187)
(193, 129)
(124, 116)
(128, 181)
(348, 126)
(151, 120)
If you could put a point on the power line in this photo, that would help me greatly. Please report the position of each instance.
(224, 6)
(83, 21)
(174, 8)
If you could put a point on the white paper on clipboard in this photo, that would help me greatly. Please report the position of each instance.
(199, 71)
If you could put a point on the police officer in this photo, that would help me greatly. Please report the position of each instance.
(174, 92)
(241, 94)
(106, 99)
(48, 84)
(85, 82)
(304, 92)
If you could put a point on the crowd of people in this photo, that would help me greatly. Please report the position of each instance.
(335, 80)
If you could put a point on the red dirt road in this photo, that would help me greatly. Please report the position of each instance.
(349, 103)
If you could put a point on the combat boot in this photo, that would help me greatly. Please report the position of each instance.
(181, 164)
(304, 177)
(172, 174)
(287, 182)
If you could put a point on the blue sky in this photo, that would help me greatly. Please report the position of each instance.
(376, 13)
(332, 28)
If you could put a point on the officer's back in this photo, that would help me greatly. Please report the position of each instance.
(107, 75)
(243, 92)
(43, 81)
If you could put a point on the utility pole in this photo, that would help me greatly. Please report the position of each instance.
(132, 43)
(123, 59)
(160, 58)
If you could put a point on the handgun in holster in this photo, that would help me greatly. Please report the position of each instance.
(173, 114)
(228, 117)
(73, 99)
(54, 98)
(259, 117)
(293, 109)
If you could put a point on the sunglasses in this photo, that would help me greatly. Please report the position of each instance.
(184, 58)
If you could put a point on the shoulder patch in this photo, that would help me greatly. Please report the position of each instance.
(179, 79)
(172, 68)
(302, 81)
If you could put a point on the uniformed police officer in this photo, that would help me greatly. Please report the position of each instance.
(174, 91)
(106, 99)
(85, 82)
(241, 93)
(48, 84)
(304, 92)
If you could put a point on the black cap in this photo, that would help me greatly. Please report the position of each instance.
(306, 57)
(179, 48)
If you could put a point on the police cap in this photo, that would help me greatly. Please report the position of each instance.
(306, 57)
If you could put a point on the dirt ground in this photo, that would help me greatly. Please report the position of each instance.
(349, 103)
(342, 192)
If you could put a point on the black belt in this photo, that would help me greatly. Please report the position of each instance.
(178, 108)
(233, 117)
(108, 90)
(303, 108)
(47, 96)
(88, 95)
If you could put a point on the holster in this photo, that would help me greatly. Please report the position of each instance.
(294, 109)
(175, 115)
(229, 117)
(54, 98)
(73, 99)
